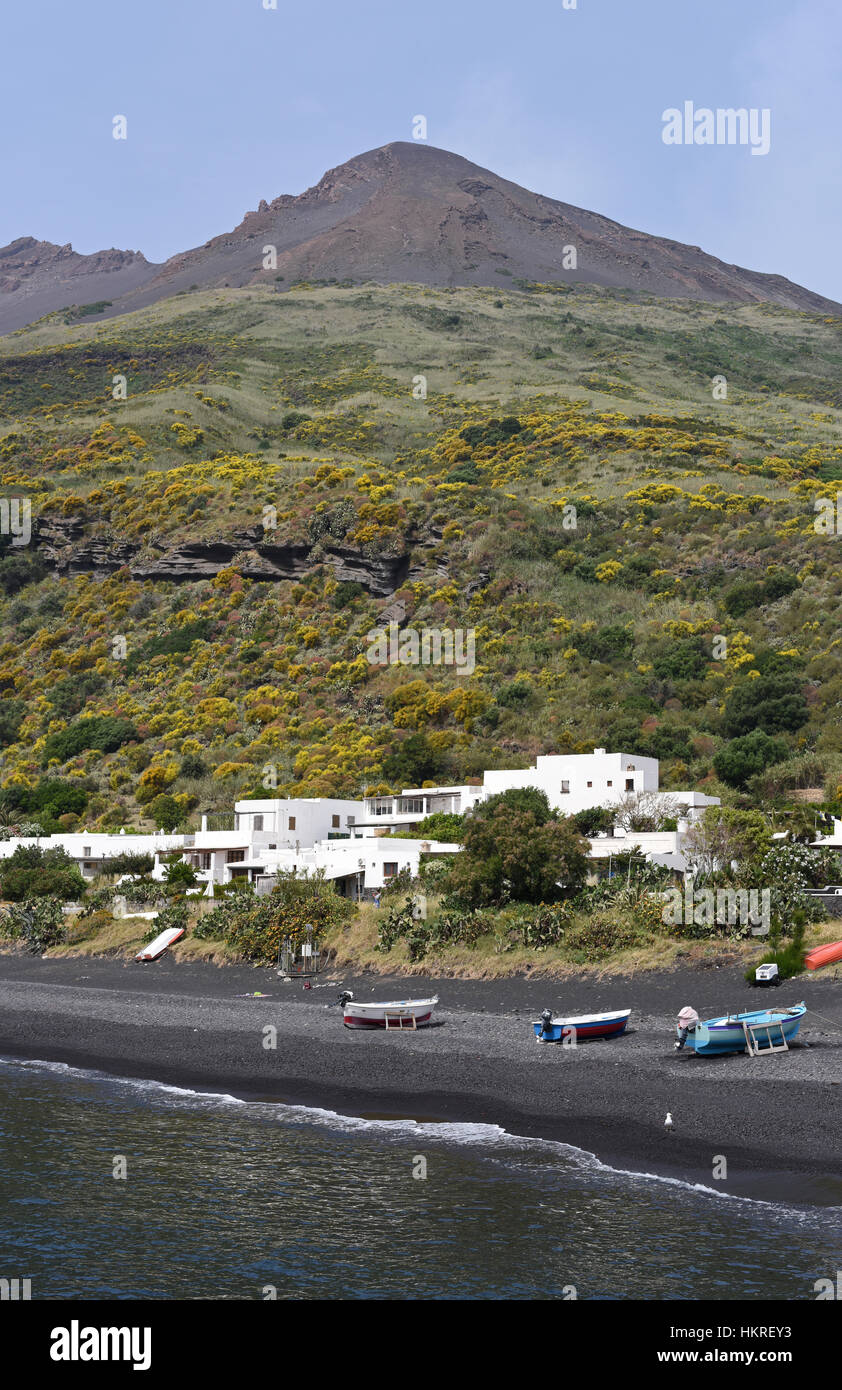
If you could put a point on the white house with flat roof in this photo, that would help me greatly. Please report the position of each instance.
(357, 868)
(352, 842)
(299, 821)
(404, 810)
(576, 782)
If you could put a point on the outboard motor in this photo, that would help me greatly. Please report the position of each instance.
(345, 998)
(546, 1021)
(687, 1020)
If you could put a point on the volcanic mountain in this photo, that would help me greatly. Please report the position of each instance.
(403, 213)
(38, 277)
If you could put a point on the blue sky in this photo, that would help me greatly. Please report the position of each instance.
(228, 103)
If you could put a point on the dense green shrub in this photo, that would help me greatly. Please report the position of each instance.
(515, 849)
(256, 926)
(744, 757)
(11, 717)
(33, 872)
(46, 802)
(772, 702)
(596, 936)
(38, 923)
(69, 695)
(104, 731)
(129, 863)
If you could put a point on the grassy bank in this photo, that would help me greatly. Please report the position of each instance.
(353, 946)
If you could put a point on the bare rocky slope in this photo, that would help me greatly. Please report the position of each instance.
(406, 213)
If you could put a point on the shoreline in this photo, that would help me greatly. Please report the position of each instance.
(777, 1119)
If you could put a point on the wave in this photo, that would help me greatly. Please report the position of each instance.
(493, 1139)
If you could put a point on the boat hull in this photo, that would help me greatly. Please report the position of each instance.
(823, 955)
(581, 1028)
(723, 1035)
(399, 1013)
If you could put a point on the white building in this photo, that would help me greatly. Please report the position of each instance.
(290, 823)
(351, 842)
(576, 782)
(408, 808)
(358, 868)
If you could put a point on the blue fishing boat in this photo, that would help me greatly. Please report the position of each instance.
(755, 1031)
(585, 1026)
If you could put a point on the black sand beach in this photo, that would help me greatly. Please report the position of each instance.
(776, 1119)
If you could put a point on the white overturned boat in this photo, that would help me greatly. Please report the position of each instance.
(394, 1013)
(156, 948)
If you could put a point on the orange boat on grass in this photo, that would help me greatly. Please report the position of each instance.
(823, 955)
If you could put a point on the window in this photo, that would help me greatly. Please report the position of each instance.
(609, 784)
(350, 820)
(257, 823)
(292, 822)
(203, 861)
(590, 784)
(334, 820)
(565, 788)
(412, 805)
(86, 851)
(235, 856)
(390, 868)
(629, 784)
(382, 808)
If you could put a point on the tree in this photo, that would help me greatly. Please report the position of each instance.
(180, 875)
(440, 825)
(11, 718)
(516, 849)
(129, 863)
(103, 731)
(684, 659)
(773, 702)
(644, 811)
(724, 838)
(165, 811)
(789, 869)
(414, 761)
(744, 757)
(33, 872)
(594, 820)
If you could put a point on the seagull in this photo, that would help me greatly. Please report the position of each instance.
(668, 1123)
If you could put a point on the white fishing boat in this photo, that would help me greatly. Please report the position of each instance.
(393, 1013)
(156, 948)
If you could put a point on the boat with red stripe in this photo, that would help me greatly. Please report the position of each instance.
(572, 1029)
(397, 1014)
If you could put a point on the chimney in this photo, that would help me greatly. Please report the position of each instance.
(204, 824)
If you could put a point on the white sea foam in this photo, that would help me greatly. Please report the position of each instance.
(495, 1141)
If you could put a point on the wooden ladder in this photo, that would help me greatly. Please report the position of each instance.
(753, 1047)
(396, 1020)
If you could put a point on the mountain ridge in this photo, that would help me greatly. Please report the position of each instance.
(400, 213)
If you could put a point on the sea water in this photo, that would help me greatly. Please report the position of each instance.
(132, 1189)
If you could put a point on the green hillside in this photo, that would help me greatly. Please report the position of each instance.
(570, 489)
